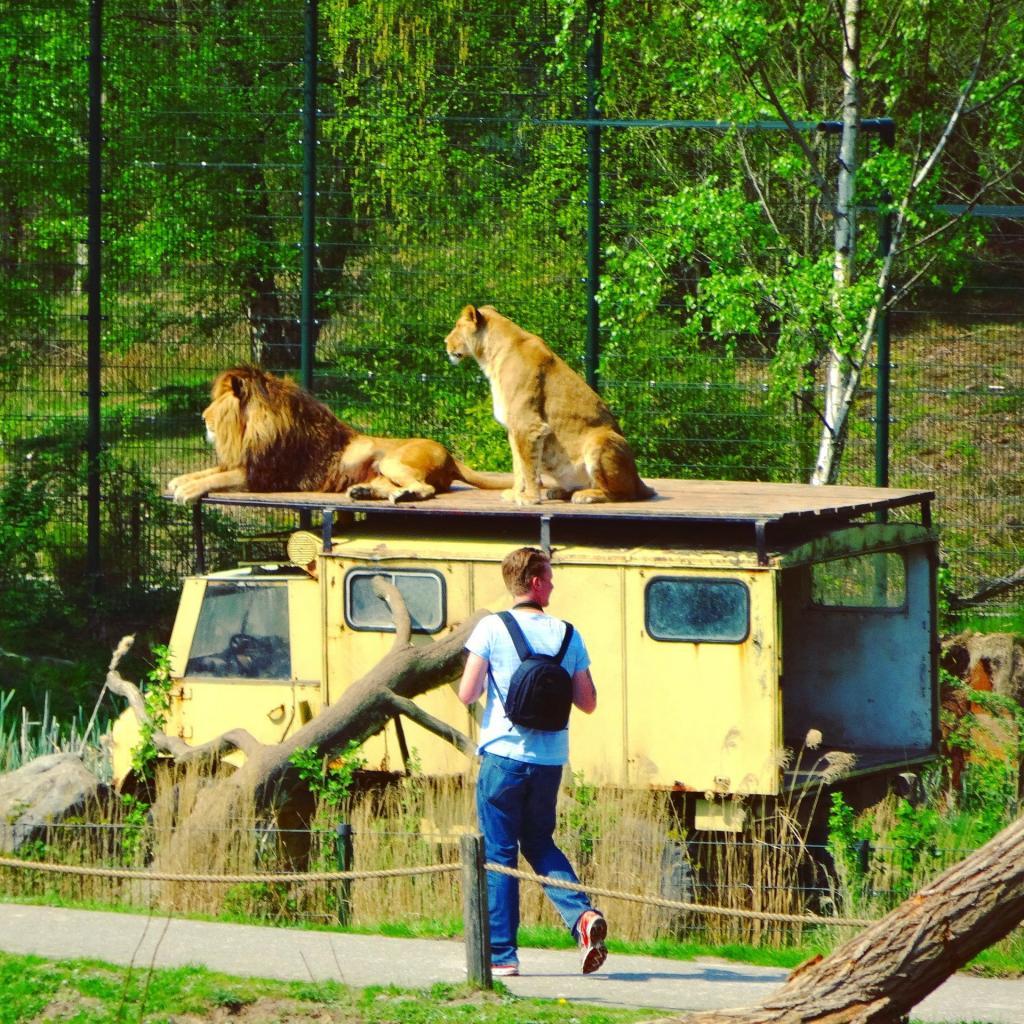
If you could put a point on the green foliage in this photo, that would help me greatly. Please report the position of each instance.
(988, 799)
(914, 841)
(846, 833)
(27, 507)
(26, 734)
(990, 795)
(580, 816)
(262, 901)
(134, 822)
(156, 692)
(330, 780)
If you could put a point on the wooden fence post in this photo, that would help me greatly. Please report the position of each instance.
(475, 923)
(343, 854)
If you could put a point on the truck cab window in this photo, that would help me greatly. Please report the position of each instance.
(422, 590)
(242, 632)
(877, 580)
(697, 610)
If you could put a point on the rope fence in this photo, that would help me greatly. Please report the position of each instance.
(281, 876)
(436, 869)
(666, 904)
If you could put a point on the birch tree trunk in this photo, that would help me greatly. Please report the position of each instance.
(844, 267)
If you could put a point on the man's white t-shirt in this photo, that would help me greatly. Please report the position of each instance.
(491, 641)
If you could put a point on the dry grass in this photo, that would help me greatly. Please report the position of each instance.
(626, 841)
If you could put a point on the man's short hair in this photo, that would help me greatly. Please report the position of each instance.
(520, 566)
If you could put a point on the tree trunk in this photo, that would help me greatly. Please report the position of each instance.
(881, 974)
(840, 366)
(275, 340)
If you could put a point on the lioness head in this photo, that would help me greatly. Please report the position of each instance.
(461, 342)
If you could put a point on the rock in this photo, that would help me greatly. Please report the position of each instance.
(41, 793)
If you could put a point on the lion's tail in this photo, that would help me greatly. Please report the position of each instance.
(485, 481)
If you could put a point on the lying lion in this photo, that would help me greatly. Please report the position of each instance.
(270, 435)
(556, 424)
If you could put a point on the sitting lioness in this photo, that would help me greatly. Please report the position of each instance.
(556, 424)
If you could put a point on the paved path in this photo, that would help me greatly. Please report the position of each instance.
(360, 960)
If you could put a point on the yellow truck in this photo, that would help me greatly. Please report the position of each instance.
(725, 621)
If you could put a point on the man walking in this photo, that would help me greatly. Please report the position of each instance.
(521, 767)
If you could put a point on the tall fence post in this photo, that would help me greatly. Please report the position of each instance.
(887, 134)
(94, 243)
(343, 852)
(307, 327)
(476, 925)
(594, 62)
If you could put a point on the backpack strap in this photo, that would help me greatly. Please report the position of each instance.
(522, 647)
(566, 640)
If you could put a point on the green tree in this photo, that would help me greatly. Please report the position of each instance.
(759, 239)
(204, 110)
(42, 151)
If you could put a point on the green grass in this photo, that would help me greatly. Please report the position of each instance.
(971, 621)
(93, 992)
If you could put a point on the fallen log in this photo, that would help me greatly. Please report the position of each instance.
(882, 973)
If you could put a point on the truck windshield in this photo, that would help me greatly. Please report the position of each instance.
(242, 632)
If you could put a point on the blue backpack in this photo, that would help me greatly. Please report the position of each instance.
(540, 690)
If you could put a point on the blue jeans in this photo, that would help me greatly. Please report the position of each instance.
(515, 804)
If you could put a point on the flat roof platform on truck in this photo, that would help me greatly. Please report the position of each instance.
(747, 513)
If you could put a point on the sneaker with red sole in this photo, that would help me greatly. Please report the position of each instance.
(504, 970)
(592, 930)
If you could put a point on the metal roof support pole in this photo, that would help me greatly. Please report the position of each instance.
(198, 538)
(761, 541)
(327, 530)
(545, 535)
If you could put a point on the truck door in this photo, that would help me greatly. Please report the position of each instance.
(702, 683)
(241, 651)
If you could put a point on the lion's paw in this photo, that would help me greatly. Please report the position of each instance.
(184, 495)
(590, 496)
(362, 492)
(406, 494)
(520, 498)
(556, 494)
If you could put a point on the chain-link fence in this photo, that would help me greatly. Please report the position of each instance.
(321, 187)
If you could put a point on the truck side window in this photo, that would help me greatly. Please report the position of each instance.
(697, 610)
(242, 632)
(422, 590)
(877, 580)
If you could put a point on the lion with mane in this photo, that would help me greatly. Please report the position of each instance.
(271, 435)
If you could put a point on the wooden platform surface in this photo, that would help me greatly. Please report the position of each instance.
(677, 500)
